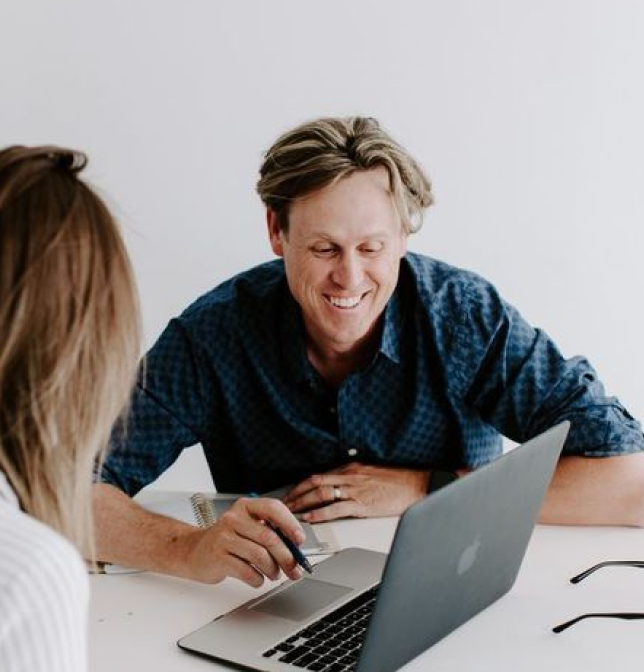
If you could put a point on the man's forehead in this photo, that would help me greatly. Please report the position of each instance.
(365, 193)
(377, 177)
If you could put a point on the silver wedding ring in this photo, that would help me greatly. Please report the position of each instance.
(337, 493)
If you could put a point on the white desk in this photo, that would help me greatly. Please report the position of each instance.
(135, 619)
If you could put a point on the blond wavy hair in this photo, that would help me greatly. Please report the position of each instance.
(321, 152)
(69, 334)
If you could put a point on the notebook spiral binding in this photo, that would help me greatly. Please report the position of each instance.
(202, 509)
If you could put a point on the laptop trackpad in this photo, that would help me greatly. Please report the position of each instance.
(302, 599)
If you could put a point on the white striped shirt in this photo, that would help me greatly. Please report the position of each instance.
(44, 594)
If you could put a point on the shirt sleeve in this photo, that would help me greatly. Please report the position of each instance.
(43, 609)
(517, 380)
(173, 396)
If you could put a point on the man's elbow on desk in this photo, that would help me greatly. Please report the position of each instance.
(596, 491)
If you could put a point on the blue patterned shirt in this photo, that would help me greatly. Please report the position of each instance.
(456, 367)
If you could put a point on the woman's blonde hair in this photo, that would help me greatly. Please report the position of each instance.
(69, 334)
(319, 153)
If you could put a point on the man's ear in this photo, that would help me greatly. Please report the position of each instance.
(274, 232)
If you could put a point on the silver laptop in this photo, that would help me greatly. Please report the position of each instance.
(453, 554)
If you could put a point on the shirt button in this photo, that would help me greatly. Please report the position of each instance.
(352, 452)
(332, 410)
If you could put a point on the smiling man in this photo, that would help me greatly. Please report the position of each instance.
(342, 250)
(353, 371)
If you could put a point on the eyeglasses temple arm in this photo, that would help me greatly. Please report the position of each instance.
(626, 615)
(608, 563)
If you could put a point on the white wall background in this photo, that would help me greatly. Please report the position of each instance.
(527, 115)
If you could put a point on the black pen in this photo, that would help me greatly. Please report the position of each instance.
(297, 554)
(295, 551)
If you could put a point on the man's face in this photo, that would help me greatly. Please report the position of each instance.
(342, 257)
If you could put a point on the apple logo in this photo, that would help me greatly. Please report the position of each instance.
(468, 556)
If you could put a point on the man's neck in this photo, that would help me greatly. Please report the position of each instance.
(334, 365)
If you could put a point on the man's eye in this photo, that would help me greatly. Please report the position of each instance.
(325, 251)
(372, 249)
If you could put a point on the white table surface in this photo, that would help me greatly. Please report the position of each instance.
(136, 619)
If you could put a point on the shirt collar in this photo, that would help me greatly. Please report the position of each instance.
(391, 328)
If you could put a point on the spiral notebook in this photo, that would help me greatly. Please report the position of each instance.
(207, 508)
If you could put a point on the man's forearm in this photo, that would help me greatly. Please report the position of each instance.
(127, 534)
(596, 491)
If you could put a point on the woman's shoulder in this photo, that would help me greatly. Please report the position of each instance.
(44, 596)
(37, 560)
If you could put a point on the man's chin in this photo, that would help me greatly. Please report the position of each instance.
(347, 339)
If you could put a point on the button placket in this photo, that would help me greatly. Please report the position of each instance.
(347, 411)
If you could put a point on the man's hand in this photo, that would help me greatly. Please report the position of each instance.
(241, 545)
(357, 491)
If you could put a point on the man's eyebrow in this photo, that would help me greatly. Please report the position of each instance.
(320, 235)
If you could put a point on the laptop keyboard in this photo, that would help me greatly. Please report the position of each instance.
(331, 644)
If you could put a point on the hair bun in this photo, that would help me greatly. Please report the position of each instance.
(68, 159)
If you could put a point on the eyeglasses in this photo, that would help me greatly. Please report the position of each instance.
(625, 615)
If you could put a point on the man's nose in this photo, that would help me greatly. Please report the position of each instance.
(348, 272)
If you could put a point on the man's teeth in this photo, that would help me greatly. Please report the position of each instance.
(349, 302)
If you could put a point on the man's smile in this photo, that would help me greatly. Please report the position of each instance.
(345, 302)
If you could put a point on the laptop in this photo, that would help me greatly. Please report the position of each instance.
(454, 553)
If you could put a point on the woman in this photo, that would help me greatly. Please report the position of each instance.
(69, 344)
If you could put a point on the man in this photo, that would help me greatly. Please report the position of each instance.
(354, 371)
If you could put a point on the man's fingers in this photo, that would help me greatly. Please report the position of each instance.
(239, 569)
(311, 483)
(271, 551)
(248, 518)
(216, 552)
(314, 482)
(253, 520)
(277, 514)
(339, 509)
(322, 483)
(256, 556)
(320, 496)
